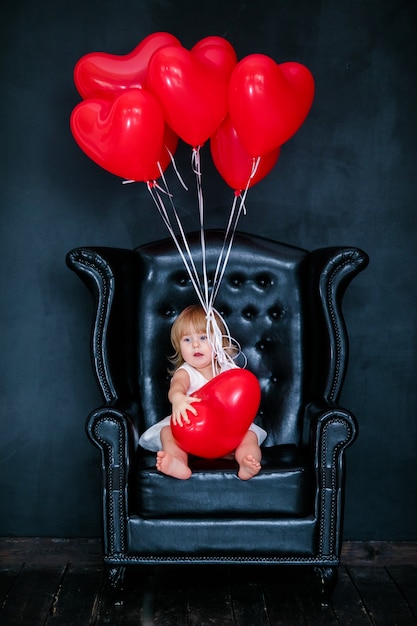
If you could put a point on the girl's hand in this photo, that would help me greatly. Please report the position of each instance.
(180, 405)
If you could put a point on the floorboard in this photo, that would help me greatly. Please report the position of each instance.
(248, 602)
(30, 597)
(384, 602)
(58, 583)
(347, 602)
(76, 598)
(405, 579)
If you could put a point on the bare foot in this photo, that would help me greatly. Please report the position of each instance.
(248, 467)
(172, 466)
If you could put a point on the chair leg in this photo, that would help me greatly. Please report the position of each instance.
(328, 576)
(116, 576)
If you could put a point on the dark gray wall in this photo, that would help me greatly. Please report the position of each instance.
(347, 177)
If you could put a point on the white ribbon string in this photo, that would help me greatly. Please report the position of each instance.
(182, 232)
(224, 256)
(174, 165)
(196, 166)
(165, 217)
(230, 233)
(225, 349)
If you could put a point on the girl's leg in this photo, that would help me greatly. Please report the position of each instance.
(172, 460)
(248, 455)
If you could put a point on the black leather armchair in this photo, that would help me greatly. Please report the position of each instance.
(283, 305)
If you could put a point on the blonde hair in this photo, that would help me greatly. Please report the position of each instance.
(192, 318)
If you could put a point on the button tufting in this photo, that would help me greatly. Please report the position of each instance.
(264, 280)
(276, 312)
(236, 280)
(181, 278)
(224, 311)
(249, 312)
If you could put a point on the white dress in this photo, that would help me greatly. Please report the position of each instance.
(151, 438)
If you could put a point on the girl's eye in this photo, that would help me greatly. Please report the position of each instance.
(186, 339)
(203, 338)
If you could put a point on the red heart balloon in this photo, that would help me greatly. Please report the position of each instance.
(217, 52)
(268, 102)
(125, 136)
(233, 162)
(170, 144)
(103, 75)
(229, 403)
(191, 88)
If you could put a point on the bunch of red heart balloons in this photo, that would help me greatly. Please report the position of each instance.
(137, 106)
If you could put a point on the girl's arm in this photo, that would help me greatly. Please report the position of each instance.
(181, 402)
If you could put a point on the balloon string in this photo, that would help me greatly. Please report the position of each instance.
(222, 344)
(221, 357)
(219, 273)
(181, 229)
(224, 358)
(196, 166)
(230, 233)
(226, 249)
(165, 217)
(174, 165)
(154, 185)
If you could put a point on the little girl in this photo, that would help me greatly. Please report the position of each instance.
(195, 366)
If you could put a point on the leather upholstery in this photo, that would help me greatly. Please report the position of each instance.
(285, 473)
(283, 305)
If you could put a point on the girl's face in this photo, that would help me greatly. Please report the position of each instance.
(196, 349)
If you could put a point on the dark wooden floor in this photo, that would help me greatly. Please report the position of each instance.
(62, 582)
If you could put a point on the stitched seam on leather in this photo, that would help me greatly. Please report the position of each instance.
(103, 306)
(336, 326)
(110, 487)
(324, 514)
(123, 558)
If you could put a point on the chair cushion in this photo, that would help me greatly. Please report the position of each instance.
(283, 487)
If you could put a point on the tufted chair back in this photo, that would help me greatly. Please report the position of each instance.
(263, 302)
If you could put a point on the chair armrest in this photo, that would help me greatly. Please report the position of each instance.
(332, 429)
(113, 427)
(113, 431)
